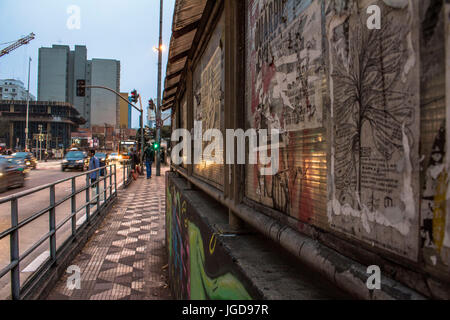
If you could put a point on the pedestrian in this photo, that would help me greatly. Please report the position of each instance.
(134, 161)
(94, 164)
(149, 156)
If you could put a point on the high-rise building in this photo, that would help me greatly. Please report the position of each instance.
(104, 104)
(124, 117)
(11, 89)
(58, 72)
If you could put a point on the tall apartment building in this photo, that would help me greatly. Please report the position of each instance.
(11, 89)
(104, 104)
(58, 72)
(125, 112)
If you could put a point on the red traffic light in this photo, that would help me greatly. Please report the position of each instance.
(134, 96)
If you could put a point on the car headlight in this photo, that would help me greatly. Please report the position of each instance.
(65, 161)
(28, 163)
(79, 161)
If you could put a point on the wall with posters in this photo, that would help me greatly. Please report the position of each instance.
(363, 161)
(362, 119)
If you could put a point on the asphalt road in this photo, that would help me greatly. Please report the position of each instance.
(28, 235)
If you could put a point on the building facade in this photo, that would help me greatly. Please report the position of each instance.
(104, 104)
(60, 68)
(125, 112)
(54, 120)
(11, 89)
(361, 116)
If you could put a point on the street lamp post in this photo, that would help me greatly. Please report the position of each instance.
(158, 108)
(40, 142)
(28, 106)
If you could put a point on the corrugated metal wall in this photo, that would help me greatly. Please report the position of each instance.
(208, 86)
(286, 90)
(184, 124)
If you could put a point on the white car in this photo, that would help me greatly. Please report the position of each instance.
(113, 157)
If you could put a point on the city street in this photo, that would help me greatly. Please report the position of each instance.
(47, 172)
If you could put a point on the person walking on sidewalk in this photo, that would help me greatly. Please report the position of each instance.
(94, 163)
(149, 156)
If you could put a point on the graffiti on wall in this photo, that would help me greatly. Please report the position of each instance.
(375, 112)
(177, 244)
(285, 92)
(433, 204)
(197, 269)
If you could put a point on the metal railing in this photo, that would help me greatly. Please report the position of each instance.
(126, 172)
(110, 174)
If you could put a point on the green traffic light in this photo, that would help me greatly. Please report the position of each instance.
(156, 146)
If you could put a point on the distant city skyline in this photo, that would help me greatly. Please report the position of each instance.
(109, 29)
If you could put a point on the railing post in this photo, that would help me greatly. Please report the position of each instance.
(104, 184)
(88, 200)
(110, 180)
(74, 207)
(97, 188)
(123, 171)
(52, 222)
(115, 179)
(14, 247)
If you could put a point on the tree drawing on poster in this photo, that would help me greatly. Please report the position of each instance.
(374, 112)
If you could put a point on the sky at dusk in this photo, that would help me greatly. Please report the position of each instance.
(110, 29)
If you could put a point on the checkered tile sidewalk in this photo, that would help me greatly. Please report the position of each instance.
(126, 258)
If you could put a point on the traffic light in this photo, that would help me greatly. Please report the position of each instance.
(134, 96)
(81, 88)
(151, 105)
(156, 146)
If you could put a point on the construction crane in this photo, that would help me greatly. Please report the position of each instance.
(17, 44)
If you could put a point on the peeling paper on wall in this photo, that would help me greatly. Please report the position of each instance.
(398, 219)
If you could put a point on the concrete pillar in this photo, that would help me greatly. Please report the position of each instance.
(234, 99)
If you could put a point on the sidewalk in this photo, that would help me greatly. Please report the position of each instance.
(126, 256)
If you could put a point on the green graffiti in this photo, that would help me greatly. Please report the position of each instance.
(169, 219)
(225, 287)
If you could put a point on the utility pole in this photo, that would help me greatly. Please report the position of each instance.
(142, 136)
(40, 142)
(28, 107)
(158, 108)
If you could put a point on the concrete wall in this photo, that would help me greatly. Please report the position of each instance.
(199, 269)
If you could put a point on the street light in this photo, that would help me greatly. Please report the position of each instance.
(28, 107)
(40, 141)
(158, 107)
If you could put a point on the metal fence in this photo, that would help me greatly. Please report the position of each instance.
(92, 206)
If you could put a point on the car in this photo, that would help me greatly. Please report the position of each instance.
(103, 157)
(75, 160)
(20, 162)
(11, 175)
(114, 157)
(29, 159)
